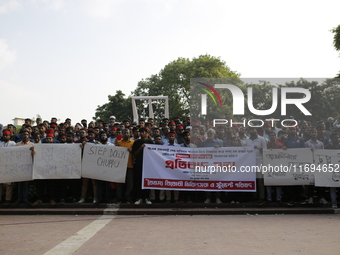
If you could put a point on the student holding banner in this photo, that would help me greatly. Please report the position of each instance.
(314, 143)
(259, 144)
(334, 145)
(137, 151)
(212, 141)
(293, 141)
(23, 187)
(6, 142)
(274, 144)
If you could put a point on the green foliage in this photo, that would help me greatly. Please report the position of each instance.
(118, 106)
(336, 40)
(174, 81)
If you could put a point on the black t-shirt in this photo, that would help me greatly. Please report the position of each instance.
(136, 145)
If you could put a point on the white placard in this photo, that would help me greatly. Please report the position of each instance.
(103, 162)
(327, 170)
(15, 164)
(57, 161)
(287, 167)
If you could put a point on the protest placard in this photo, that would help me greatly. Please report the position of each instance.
(209, 169)
(103, 162)
(15, 164)
(57, 161)
(326, 169)
(287, 167)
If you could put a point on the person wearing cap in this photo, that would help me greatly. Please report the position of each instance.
(179, 134)
(334, 145)
(50, 137)
(258, 143)
(112, 120)
(172, 126)
(38, 121)
(6, 142)
(23, 187)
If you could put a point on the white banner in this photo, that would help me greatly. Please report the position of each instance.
(209, 169)
(288, 167)
(326, 169)
(104, 162)
(57, 161)
(15, 164)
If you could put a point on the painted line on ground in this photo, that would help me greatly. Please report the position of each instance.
(74, 242)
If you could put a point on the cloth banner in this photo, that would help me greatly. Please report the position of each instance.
(15, 164)
(327, 171)
(106, 163)
(57, 161)
(288, 167)
(205, 169)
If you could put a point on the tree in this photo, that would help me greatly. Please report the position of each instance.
(174, 81)
(118, 105)
(336, 41)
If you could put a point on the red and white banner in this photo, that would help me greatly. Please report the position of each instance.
(205, 169)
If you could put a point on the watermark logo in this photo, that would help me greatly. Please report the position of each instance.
(238, 99)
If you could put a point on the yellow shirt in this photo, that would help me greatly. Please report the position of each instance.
(127, 144)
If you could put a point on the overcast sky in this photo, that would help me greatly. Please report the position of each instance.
(63, 58)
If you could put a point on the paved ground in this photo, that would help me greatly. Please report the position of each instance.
(169, 234)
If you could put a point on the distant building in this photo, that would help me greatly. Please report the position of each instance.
(18, 121)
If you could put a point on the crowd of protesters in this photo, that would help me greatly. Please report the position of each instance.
(169, 132)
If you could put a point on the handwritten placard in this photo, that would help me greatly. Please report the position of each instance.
(103, 162)
(327, 168)
(288, 167)
(15, 164)
(57, 161)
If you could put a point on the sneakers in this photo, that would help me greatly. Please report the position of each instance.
(95, 201)
(334, 206)
(218, 201)
(323, 201)
(207, 201)
(138, 202)
(148, 201)
(81, 201)
(310, 201)
(291, 203)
